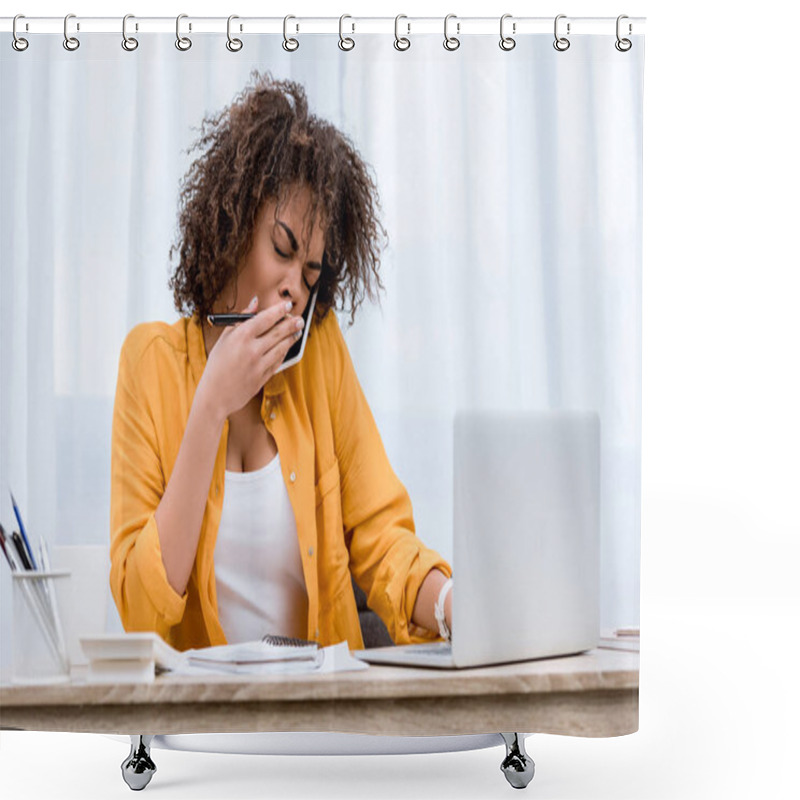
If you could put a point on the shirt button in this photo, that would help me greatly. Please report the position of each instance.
(292, 477)
(311, 551)
(272, 415)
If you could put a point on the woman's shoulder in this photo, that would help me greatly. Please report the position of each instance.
(328, 342)
(157, 335)
(329, 325)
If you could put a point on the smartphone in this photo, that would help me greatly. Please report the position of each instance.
(295, 352)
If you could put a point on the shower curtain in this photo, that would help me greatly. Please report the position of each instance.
(509, 186)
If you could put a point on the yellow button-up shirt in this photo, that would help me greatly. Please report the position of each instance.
(353, 515)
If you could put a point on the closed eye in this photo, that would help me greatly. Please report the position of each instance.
(310, 286)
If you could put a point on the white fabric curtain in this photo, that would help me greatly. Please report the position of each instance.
(511, 189)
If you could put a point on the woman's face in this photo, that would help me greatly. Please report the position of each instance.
(284, 263)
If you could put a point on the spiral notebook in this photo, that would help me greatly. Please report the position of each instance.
(239, 657)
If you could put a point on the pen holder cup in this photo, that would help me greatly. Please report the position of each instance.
(39, 649)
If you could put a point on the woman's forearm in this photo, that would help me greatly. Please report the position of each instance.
(179, 515)
(424, 614)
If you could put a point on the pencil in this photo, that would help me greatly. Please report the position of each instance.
(22, 530)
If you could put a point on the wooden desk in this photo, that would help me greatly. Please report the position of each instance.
(593, 694)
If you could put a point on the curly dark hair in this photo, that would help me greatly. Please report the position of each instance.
(260, 148)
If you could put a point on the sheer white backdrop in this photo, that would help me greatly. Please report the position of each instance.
(511, 189)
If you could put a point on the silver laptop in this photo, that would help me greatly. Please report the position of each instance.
(526, 541)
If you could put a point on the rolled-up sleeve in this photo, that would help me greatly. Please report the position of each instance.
(387, 559)
(145, 599)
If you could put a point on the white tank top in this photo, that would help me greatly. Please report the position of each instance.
(259, 575)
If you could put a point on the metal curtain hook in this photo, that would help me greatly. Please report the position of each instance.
(70, 42)
(346, 43)
(181, 42)
(623, 45)
(234, 45)
(128, 42)
(401, 43)
(561, 43)
(18, 43)
(506, 42)
(451, 42)
(289, 44)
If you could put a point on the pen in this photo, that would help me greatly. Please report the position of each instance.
(22, 530)
(228, 319)
(8, 553)
(23, 555)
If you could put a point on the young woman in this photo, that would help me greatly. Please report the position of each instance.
(242, 500)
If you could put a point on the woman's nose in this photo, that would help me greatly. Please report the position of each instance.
(292, 288)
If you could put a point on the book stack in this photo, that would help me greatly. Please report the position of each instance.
(124, 658)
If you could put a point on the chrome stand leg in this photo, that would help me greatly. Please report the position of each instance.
(517, 766)
(138, 768)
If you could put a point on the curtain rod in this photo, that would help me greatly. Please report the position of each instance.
(459, 26)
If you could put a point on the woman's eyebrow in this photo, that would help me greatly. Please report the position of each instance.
(293, 243)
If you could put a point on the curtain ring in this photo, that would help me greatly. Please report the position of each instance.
(234, 45)
(70, 42)
(561, 43)
(18, 43)
(623, 45)
(345, 43)
(506, 42)
(289, 45)
(128, 42)
(451, 42)
(401, 43)
(181, 42)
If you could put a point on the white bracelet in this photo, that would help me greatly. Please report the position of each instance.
(438, 610)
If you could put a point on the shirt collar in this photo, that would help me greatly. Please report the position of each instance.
(196, 348)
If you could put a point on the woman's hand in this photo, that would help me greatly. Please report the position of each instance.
(246, 356)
